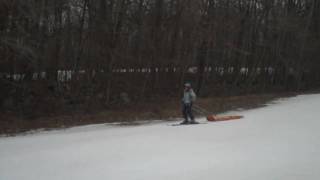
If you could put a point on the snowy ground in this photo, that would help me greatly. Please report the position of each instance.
(277, 142)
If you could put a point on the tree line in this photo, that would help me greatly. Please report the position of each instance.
(94, 38)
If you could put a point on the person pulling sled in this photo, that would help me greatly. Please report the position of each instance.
(188, 99)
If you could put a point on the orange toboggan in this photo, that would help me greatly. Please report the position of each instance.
(214, 118)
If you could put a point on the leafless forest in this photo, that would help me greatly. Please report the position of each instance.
(70, 54)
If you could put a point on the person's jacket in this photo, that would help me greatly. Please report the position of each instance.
(189, 96)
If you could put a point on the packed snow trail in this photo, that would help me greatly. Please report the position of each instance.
(277, 142)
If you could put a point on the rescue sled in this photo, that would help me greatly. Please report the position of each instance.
(213, 118)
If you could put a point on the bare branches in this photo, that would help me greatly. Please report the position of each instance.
(220, 45)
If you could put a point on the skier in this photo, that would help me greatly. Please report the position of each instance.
(188, 98)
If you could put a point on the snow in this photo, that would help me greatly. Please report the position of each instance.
(276, 142)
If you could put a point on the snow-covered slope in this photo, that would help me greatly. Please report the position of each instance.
(277, 142)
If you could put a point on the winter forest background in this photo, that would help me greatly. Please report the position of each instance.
(60, 54)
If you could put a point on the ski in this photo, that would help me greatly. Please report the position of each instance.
(187, 124)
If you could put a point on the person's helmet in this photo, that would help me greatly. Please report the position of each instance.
(187, 85)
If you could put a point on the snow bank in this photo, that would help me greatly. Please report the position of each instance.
(277, 142)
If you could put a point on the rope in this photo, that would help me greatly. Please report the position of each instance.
(201, 110)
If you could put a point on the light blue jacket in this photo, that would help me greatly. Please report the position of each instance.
(189, 96)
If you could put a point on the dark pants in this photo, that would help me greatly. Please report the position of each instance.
(187, 112)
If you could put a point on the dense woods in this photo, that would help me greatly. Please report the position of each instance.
(98, 53)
